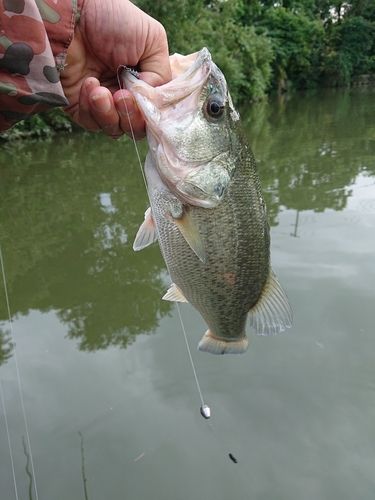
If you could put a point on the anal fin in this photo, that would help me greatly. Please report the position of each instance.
(174, 294)
(272, 313)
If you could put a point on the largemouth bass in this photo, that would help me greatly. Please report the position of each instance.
(207, 208)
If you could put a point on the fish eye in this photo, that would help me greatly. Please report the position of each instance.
(213, 108)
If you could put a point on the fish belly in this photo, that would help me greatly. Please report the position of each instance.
(235, 235)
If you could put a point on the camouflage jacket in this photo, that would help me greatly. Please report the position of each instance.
(34, 38)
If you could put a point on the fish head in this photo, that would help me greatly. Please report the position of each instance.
(190, 125)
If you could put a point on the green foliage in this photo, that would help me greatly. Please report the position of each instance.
(296, 42)
(243, 55)
(44, 125)
(363, 8)
(264, 45)
(259, 46)
(352, 50)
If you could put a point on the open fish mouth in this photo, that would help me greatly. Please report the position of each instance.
(179, 129)
(192, 69)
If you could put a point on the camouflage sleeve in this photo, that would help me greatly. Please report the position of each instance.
(34, 38)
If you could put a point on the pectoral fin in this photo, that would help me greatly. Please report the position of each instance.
(190, 232)
(174, 294)
(146, 233)
(272, 313)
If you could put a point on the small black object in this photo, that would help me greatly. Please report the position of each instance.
(234, 459)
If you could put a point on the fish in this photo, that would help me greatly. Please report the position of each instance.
(207, 210)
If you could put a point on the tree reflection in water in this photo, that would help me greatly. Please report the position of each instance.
(69, 212)
(70, 208)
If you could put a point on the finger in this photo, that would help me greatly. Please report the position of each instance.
(155, 79)
(88, 86)
(103, 110)
(131, 120)
(84, 116)
(154, 63)
(152, 78)
(80, 111)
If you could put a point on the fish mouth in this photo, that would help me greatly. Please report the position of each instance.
(191, 69)
(195, 177)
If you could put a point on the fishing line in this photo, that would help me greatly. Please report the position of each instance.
(189, 352)
(18, 374)
(132, 130)
(205, 410)
(9, 443)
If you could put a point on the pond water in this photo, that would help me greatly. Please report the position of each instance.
(110, 399)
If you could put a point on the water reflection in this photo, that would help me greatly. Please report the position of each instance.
(69, 210)
(84, 478)
(28, 469)
(5, 346)
(310, 148)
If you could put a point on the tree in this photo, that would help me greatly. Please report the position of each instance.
(242, 54)
(297, 44)
(350, 51)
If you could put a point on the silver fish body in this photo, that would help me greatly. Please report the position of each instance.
(207, 208)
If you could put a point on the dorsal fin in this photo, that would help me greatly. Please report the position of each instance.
(272, 313)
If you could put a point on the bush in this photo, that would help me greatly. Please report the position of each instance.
(45, 124)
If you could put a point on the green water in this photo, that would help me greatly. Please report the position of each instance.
(109, 395)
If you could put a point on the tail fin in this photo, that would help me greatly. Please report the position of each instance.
(213, 345)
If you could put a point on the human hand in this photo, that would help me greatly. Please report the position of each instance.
(110, 34)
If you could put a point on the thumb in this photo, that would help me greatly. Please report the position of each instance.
(154, 64)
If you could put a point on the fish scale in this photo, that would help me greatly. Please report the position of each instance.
(207, 208)
(243, 253)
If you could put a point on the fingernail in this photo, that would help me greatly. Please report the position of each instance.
(125, 106)
(88, 83)
(102, 103)
(139, 136)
